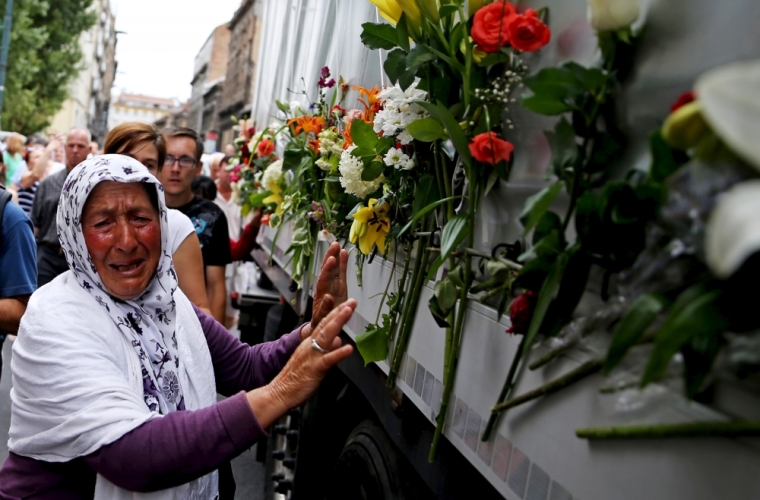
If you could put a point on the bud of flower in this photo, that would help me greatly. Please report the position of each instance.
(611, 15)
(473, 6)
(429, 9)
(685, 128)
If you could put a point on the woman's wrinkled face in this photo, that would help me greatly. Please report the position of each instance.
(122, 232)
(146, 153)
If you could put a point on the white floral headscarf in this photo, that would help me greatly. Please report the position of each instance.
(149, 321)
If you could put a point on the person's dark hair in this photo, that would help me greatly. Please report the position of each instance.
(36, 140)
(125, 136)
(186, 132)
(204, 187)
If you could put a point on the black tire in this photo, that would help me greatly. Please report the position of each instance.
(370, 468)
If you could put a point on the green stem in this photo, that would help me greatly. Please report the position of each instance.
(450, 372)
(740, 428)
(410, 307)
(583, 371)
(446, 185)
(387, 285)
(506, 388)
(468, 64)
(401, 295)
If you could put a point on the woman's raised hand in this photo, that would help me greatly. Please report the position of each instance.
(307, 367)
(331, 288)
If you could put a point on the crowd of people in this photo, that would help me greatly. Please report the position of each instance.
(116, 268)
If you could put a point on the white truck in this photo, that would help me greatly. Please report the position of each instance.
(357, 439)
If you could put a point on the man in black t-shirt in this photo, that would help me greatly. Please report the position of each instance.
(183, 153)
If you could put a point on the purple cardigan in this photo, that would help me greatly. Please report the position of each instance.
(181, 446)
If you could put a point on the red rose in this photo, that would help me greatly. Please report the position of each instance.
(490, 24)
(521, 312)
(490, 148)
(265, 147)
(682, 100)
(527, 32)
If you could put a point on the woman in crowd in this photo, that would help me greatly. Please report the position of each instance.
(116, 373)
(13, 156)
(38, 166)
(143, 142)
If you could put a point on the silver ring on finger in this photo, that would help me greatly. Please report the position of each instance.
(315, 345)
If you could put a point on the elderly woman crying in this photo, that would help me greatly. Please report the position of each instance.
(115, 371)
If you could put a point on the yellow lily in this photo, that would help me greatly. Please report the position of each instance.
(391, 10)
(275, 197)
(370, 227)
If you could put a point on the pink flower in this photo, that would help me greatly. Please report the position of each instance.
(351, 115)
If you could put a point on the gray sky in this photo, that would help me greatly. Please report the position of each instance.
(157, 53)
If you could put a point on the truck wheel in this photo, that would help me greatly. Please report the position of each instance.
(370, 468)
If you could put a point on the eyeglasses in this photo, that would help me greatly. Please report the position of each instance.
(184, 162)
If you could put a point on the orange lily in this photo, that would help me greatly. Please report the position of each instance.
(372, 105)
(307, 124)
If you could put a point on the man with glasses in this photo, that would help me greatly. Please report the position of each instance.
(183, 152)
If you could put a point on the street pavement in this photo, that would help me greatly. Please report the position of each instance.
(249, 474)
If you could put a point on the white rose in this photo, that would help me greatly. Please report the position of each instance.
(610, 15)
(733, 230)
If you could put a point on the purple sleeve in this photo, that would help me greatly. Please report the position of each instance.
(240, 367)
(179, 447)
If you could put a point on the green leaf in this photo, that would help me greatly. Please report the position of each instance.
(554, 83)
(544, 106)
(402, 33)
(373, 345)
(549, 222)
(545, 296)
(458, 138)
(534, 273)
(447, 294)
(395, 64)
(425, 193)
(363, 134)
(690, 317)
(665, 160)
(564, 148)
(407, 79)
(372, 171)
(379, 36)
(424, 212)
(366, 155)
(592, 79)
(551, 244)
(453, 234)
(292, 158)
(447, 9)
(418, 56)
(571, 290)
(553, 91)
(383, 145)
(537, 205)
(427, 130)
(632, 326)
(440, 317)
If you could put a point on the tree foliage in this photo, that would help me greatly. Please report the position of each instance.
(44, 57)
